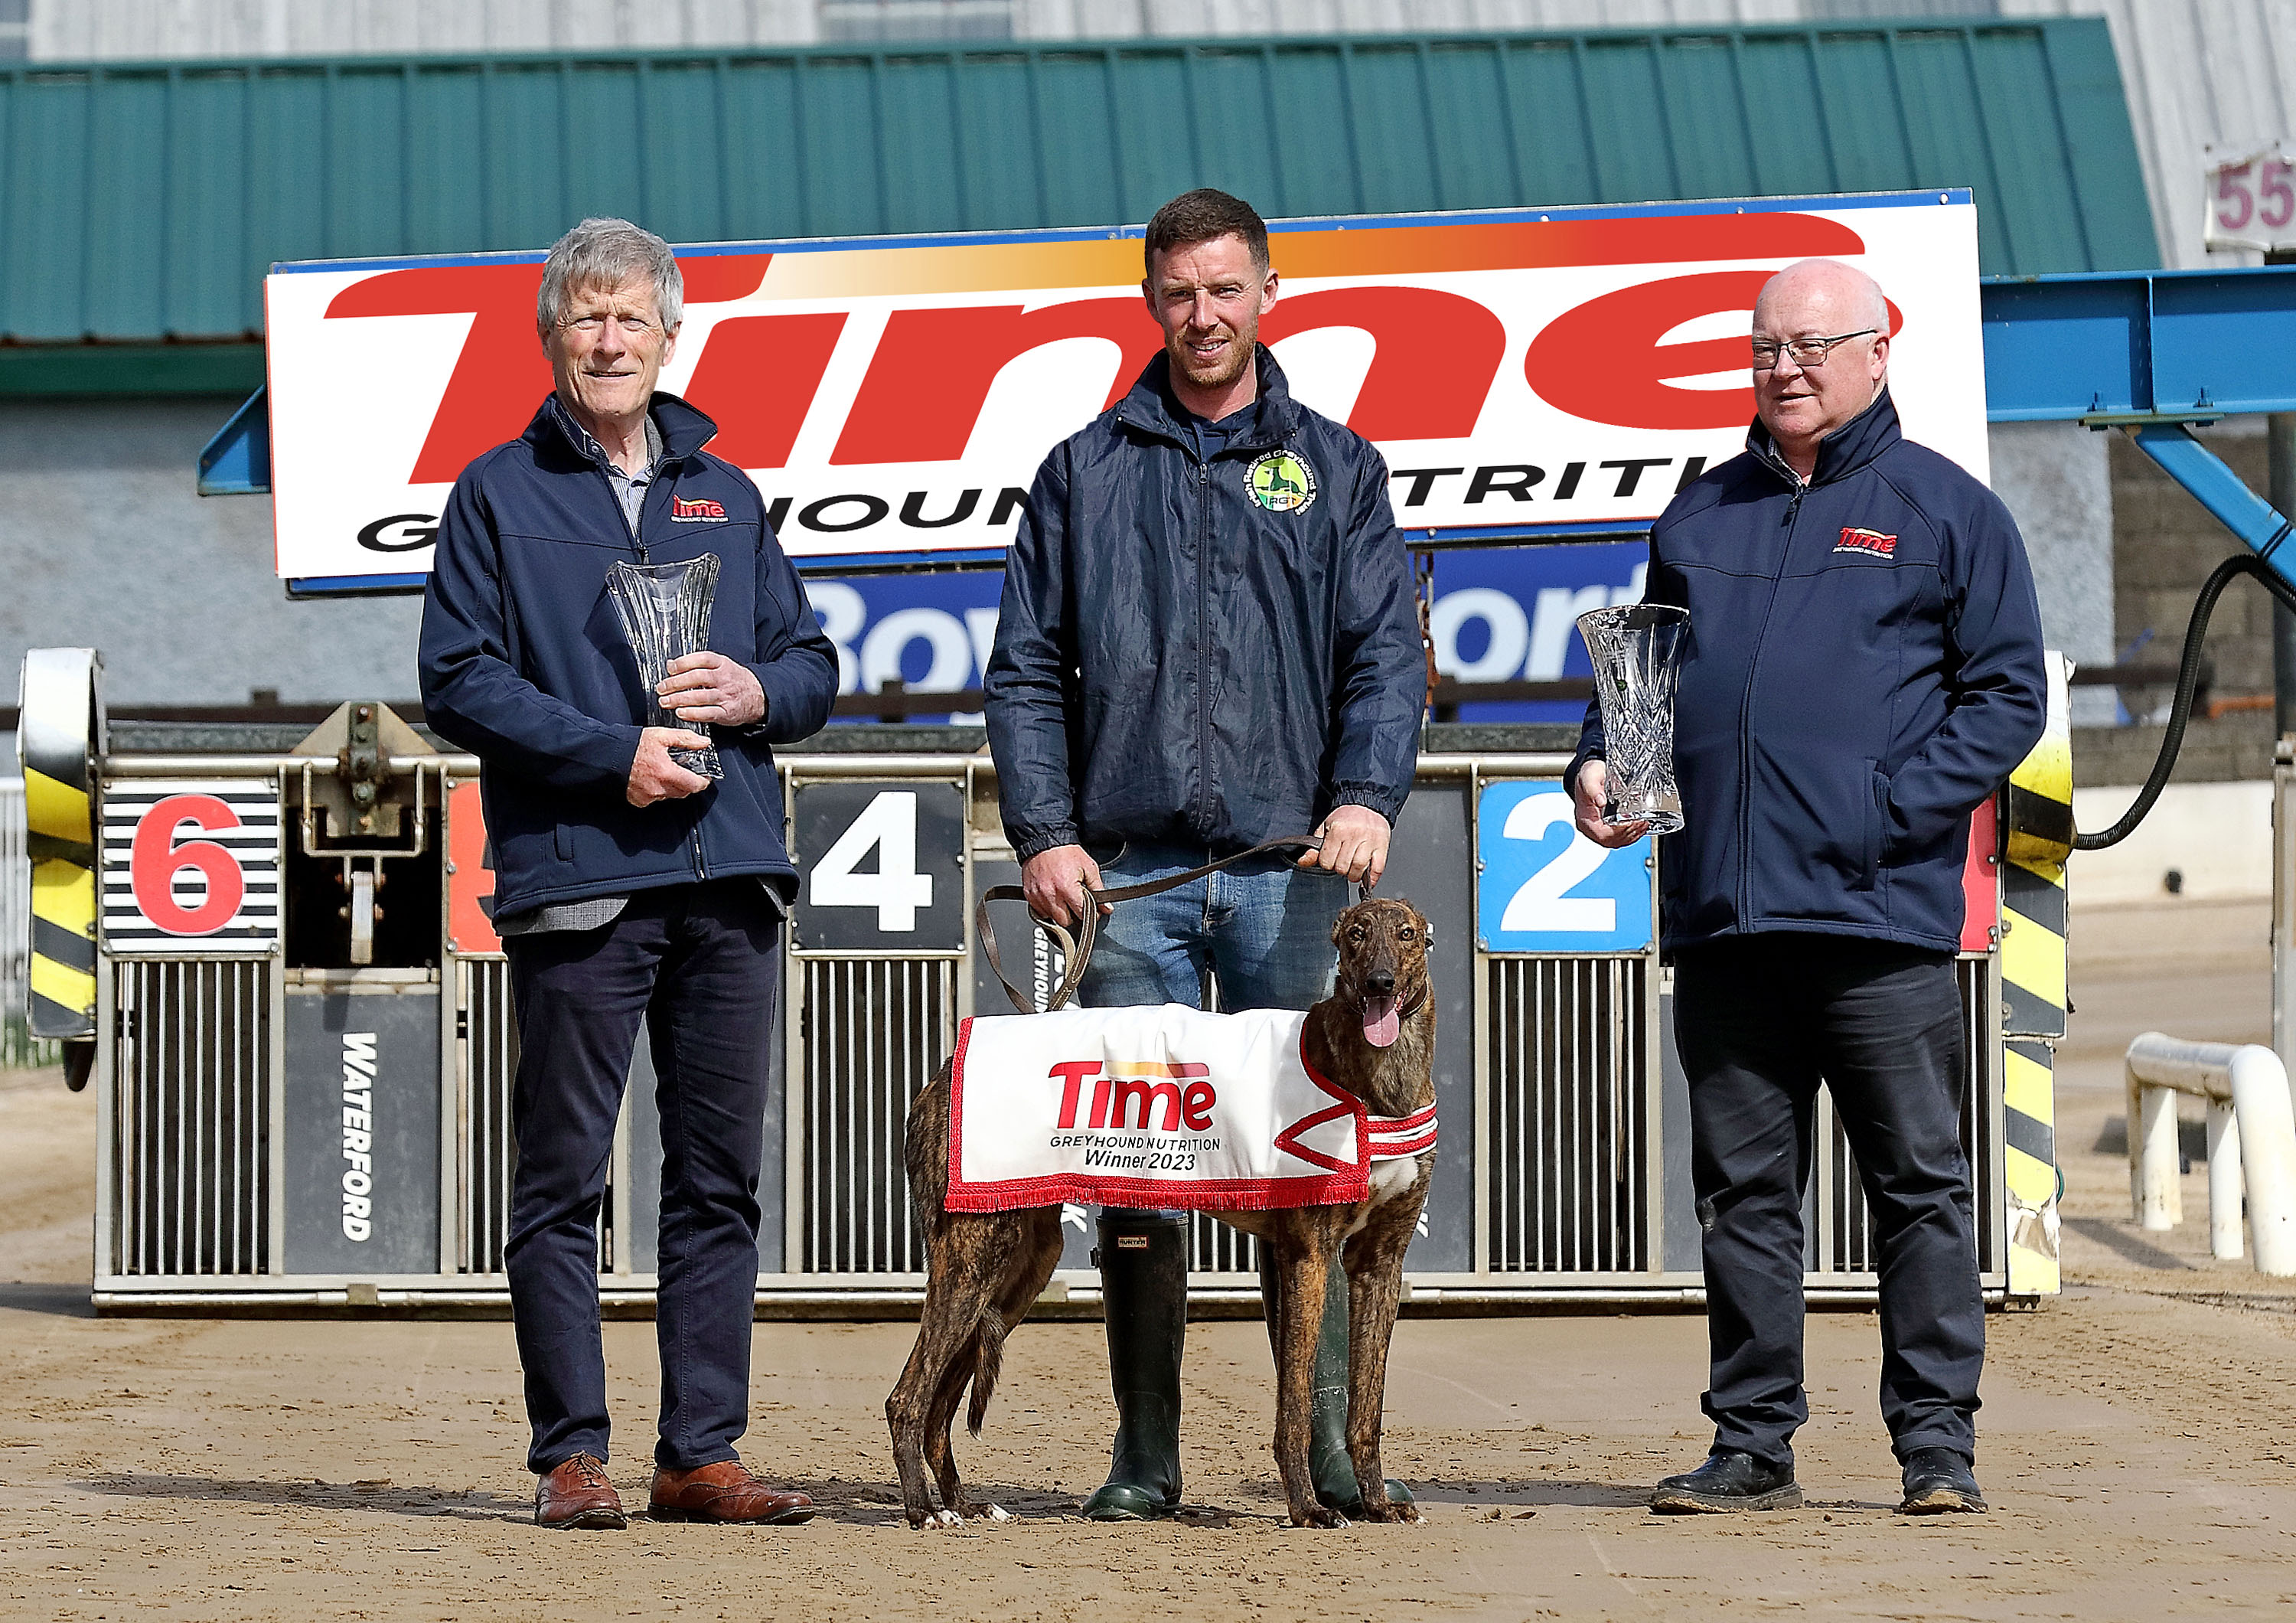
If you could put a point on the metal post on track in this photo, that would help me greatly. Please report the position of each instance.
(2280, 447)
(2227, 1189)
(2283, 901)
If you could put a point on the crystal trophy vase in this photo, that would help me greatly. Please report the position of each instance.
(665, 613)
(1636, 648)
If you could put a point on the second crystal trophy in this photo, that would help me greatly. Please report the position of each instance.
(665, 613)
(1636, 649)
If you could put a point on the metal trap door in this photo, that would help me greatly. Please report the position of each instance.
(870, 1035)
(1838, 1226)
(187, 1180)
(486, 1151)
(1567, 1121)
(487, 1061)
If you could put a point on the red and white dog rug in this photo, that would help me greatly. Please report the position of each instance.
(1159, 1108)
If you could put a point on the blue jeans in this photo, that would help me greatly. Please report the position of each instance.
(1263, 928)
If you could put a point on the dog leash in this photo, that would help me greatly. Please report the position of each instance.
(1076, 949)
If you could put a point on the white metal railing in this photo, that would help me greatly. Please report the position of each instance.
(2251, 1139)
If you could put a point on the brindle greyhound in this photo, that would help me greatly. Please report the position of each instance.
(1373, 1036)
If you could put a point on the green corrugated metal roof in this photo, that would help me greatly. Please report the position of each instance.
(144, 202)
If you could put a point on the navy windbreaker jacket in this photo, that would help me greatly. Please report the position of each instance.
(1180, 659)
(524, 664)
(1863, 667)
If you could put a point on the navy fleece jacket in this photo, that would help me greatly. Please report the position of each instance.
(1863, 667)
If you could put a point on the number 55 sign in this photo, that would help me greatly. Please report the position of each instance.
(1542, 887)
(2252, 200)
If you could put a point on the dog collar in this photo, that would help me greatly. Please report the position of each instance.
(1398, 1138)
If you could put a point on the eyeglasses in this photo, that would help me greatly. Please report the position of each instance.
(1806, 352)
(636, 326)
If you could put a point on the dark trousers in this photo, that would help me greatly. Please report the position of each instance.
(699, 963)
(1759, 1022)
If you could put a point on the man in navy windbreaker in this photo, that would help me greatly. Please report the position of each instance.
(1863, 667)
(1208, 638)
(625, 887)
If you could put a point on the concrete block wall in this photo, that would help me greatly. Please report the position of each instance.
(2165, 543)
(105, 543)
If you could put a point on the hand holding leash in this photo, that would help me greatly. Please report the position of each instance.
(1058, 881)
(1354, 842)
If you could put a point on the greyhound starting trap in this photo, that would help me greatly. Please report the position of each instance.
(303, 1046)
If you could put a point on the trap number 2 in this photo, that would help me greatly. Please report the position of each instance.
(1541, 886)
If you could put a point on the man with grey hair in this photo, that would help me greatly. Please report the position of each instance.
(1864, 667)
(627, 888)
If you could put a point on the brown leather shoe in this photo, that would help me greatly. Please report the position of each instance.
(576, 1494)
(724, 1492)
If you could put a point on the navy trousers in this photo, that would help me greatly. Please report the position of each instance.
(1758, 1021)
(699, 964)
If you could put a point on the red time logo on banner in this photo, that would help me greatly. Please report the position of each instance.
(155, 858)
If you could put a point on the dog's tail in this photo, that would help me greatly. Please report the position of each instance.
(988, 1364)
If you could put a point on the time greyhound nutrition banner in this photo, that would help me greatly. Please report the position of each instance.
(1526, 373)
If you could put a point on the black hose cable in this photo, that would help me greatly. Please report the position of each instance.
(2188, 676)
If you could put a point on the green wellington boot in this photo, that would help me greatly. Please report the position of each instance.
(1144, 1284)
(1334, 1471)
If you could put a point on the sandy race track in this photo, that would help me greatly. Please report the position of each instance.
(2139, 1439)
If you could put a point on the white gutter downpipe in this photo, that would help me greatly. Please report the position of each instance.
(2252, 1140)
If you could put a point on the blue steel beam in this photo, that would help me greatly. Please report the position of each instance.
(2184, 346)
(237, 461)
(2221, 491)
(2154, 352)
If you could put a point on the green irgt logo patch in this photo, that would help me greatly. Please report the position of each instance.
(1280, 483)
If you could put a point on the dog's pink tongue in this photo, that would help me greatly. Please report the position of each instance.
(1382, 1022)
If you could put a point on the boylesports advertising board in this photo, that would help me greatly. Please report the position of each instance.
(1526, 373)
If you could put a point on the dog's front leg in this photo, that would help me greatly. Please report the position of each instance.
(1375, 1266)
(1304, 1259)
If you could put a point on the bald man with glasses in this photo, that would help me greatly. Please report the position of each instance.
(1864, 668)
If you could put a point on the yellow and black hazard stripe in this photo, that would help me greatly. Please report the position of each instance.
(64, 907)
(57, 733)
(2029, 1163)
(2033, 948)
(2039, 837)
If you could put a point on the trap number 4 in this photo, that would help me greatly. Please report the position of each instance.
(881, 865)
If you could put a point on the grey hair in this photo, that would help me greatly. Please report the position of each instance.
(601, 252)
